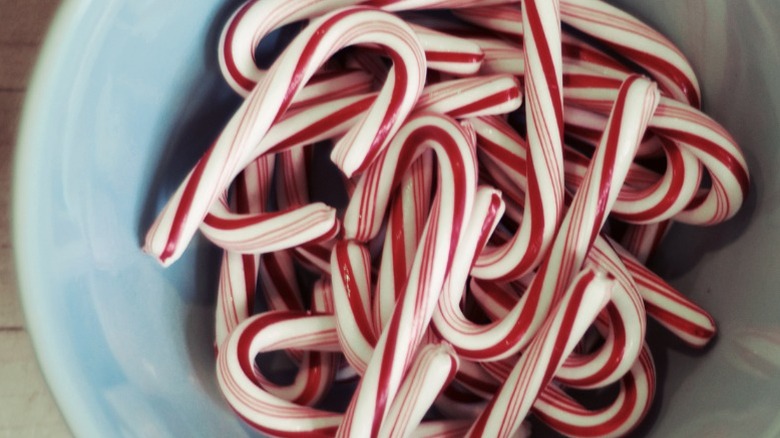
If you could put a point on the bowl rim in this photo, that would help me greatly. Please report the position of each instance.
(61, 35)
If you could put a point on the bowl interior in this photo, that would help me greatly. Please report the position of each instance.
(122, 106)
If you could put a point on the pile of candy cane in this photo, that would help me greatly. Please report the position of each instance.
(471, 272)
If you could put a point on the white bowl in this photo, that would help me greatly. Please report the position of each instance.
(126, 96)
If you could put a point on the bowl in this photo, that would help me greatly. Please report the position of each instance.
(128, 94)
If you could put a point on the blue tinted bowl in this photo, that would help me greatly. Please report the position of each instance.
(127, 95)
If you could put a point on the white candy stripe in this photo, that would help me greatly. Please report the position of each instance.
(567, 416)
(557, 337)
(233, 150)
(433, 368)
(408, 323)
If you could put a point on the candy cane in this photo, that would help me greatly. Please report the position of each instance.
(684, 126)
(624, 319)
(405, 5)
(544, 118)
(267, 332)
(564, 414)
(316, 371)
(557, 337)
(400, 380)
(266, 232)
(579, 228)
(405, 329)
(252, 22)
(255, 20)
(690, 129)
(405, 224)
(433, 368)
(180, 218)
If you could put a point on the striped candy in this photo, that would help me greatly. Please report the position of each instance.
(475, 269)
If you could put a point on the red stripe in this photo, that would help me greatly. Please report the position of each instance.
(458, 57)
(236, 221)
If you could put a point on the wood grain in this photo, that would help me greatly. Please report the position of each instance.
(26, 406)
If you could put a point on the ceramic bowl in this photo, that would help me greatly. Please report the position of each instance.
(127, 95)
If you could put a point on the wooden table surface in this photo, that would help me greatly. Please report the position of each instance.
(26, 406)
